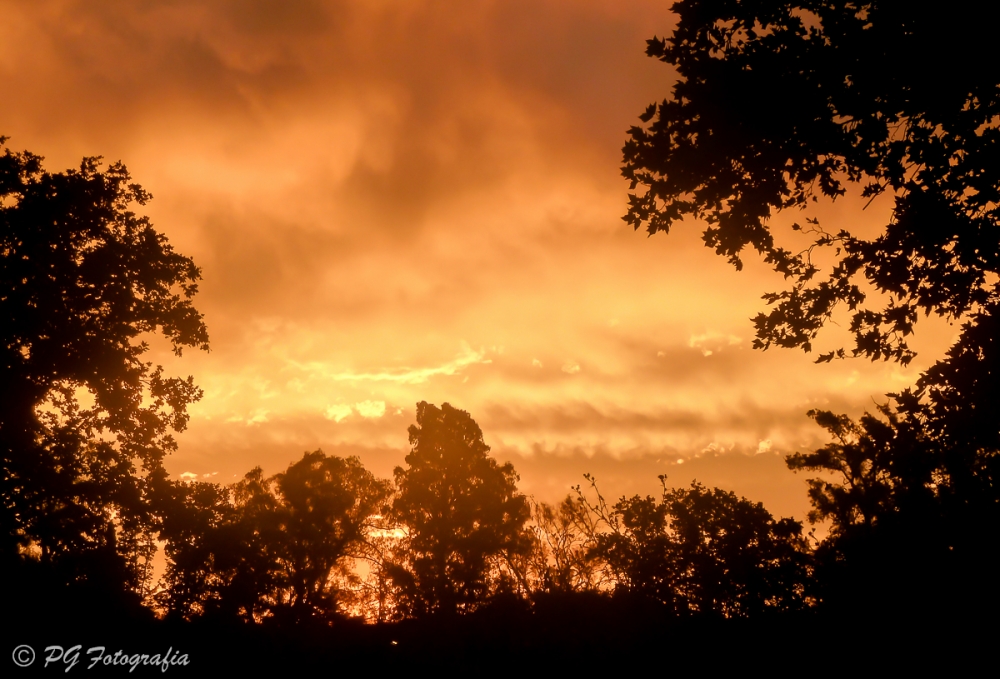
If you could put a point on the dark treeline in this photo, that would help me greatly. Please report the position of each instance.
(325, 540)
(326, 563)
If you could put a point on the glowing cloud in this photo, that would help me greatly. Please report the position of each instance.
(711, 342)
(256, 417)
(337, 412)
(405, 375)
(371, 409)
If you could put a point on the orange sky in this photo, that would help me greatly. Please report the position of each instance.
(395, 201)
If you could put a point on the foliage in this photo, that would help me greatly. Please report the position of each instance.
(329, 506)
(881, 466)
(462, 513)
(84, 422)
(218, 549)
(894, 100)
(879, 94)
(703, 551)
(561, 559)
(270, 547)
(915, 490)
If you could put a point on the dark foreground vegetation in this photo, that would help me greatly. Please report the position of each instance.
(324, 565)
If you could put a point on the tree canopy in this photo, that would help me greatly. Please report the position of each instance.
(84, 421)
(461, 510)
(780, 103)
(270, 547)
(702, 551)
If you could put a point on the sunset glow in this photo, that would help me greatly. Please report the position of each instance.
(395, 202)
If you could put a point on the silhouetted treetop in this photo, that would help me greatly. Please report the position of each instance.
(327, 506)
(270, 547)
(82, 278)
(936, 453)
(461, 510)
(780, 102)
(701, 550)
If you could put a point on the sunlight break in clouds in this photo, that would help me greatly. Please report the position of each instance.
(367, 409)
(337, 412)
(402, 376)
(370, 409)
(711, 342)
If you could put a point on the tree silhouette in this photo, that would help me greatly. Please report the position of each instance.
(895, 101)
(84, 421)
(462, 513)
(915, 490)
(222, 547)
(560, 559)
(270, 547)
(879, 94)
(328, 504)
(702, 551)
